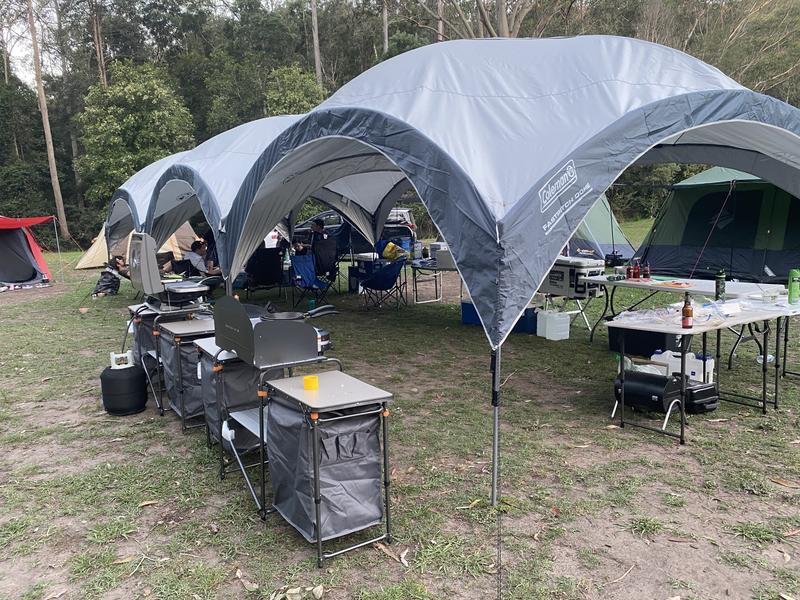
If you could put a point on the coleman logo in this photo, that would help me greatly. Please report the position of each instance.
(559, 183)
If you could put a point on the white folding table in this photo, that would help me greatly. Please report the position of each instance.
(672, 326)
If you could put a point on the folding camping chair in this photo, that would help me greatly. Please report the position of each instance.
(305, 280)
(326, 259)
(264, 270)
(385, 286)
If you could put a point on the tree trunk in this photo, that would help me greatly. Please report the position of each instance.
(48, 137)
(73, 142)
(502, 19)
(385, 27)
(439, 20)
(97, 36)
(6, 77)
(315, 39)
(481, 28)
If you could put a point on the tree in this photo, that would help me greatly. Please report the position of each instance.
(133, 122)
(292, 91)
(48, 137)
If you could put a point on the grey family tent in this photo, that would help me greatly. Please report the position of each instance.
(21, 259)
(725, 219)
(507, 142)
(599, 235)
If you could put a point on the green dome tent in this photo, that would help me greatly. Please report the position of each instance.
(600, 234)
(725, 219)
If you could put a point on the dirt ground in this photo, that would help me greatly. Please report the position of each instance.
(103, 507)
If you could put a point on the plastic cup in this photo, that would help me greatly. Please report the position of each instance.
(310, 382)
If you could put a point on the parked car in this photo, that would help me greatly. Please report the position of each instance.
(400, 229)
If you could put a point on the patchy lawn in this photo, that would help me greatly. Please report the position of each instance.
(101, 507)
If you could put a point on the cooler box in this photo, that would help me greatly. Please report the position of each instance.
(525, 324)
(694, 364)
(566, 278)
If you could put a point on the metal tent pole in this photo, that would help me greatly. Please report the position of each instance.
(495, 367)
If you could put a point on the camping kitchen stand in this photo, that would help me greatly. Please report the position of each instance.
(346, 409)
(145, 341)
(175, 352)
(686, 336)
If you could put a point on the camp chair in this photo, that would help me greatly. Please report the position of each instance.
(305, 280)
(326, 259)
(385, 286)
(264, 270)
(185, 268)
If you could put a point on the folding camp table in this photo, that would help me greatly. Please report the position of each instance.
(675, 285)
(344, 419)
(754, 317)
(176, 353)
(423, 270)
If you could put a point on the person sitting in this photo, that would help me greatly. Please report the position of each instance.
(197, 257)
(317, 233)
(108, 284)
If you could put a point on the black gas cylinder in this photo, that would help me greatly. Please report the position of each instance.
(124, 391)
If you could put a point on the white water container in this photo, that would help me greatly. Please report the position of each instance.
(552, 325)
(694, 365)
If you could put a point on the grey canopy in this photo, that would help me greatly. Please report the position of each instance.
(509, 142)
(131, 200)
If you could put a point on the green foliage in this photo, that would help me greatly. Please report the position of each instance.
(640, 191)
(403, 42)
(291, 91)
(132, 123)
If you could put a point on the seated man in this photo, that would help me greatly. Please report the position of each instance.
(317, 233)
(197, 256)
(108, 284)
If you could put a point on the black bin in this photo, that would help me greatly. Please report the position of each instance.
(124, 391)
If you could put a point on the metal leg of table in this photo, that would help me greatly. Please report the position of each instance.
(181, 401)
(685, 341)
(222, 416)
(622, 378)
(704, 356)
(161, 377)
(386, 473)
(764, 368)
(262, 455)
(778, 326)
(741, 337)
(785, 346)
(602, 315)
(317, 495)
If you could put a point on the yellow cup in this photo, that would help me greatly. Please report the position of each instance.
(310, 382)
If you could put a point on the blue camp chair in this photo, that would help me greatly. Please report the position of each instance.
(385, 286)
(305, 280)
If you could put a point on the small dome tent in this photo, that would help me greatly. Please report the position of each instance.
(21, 259)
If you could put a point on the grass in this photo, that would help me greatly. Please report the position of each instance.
(636, 230)
(579, 499)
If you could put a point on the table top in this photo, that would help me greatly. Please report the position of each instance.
(208, 345)
(197, 326)
(771, 311)
(733, 289)
(336, 391)
(428, 265)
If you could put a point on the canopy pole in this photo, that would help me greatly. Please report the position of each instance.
(495, 368)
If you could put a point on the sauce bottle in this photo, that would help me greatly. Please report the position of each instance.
(687, 313)
(646, 272)
(637, 270)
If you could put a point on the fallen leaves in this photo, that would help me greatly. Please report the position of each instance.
(147, 503)
(401, 558)
(785, 483)
(55, 595)
(791, 533)
(246, 583)
(123, 561)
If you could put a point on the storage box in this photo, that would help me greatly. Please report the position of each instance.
(566, 278)
(525, 324)
(643, 343)
(694, 365)
(553, 325)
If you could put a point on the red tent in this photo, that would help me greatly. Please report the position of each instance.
(21, 259)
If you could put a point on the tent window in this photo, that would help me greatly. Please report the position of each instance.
(736, 226)
(791, 241)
